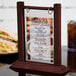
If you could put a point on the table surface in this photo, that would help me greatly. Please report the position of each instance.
(5, 71)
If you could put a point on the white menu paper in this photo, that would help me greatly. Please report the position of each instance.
(40, 41)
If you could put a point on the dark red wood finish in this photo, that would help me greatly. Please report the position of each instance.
(57, 34)
(21, 32)
(57, 31)
(23, 66)
(38, 8)
(39, 68)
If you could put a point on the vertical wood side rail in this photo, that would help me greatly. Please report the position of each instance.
(20, 21)
(57, 34)
(21, 40)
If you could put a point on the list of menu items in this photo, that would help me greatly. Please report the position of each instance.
(40, 40)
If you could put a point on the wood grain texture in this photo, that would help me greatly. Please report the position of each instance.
(22, 66)
(57, 34)
(39, 68)
(38, 8)
(21, 30)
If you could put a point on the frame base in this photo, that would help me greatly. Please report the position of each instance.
(39, 68)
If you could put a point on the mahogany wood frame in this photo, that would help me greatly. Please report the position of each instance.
(23, 66)
(57, 30)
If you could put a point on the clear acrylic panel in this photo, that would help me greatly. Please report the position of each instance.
(39, 35)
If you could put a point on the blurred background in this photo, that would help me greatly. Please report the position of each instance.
(8, 14)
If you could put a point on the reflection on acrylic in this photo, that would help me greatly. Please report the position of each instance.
(40, 39)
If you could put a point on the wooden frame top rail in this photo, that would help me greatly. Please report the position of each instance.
(38, 8)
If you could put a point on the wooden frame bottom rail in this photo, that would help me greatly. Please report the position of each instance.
(39, 68)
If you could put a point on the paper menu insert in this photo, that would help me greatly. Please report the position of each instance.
(39, 38)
